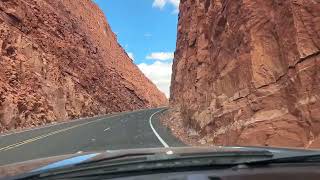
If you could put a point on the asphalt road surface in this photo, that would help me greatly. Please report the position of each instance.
(129, 130)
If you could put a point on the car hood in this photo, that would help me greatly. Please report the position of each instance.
(46, 164)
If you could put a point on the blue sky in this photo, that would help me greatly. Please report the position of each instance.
(147, 30)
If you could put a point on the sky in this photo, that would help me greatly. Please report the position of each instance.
(147, 30)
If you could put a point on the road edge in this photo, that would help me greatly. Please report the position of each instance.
(58, 123)
(155, 132)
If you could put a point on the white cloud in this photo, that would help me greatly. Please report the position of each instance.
(162, 56)
(159, 73)
(161, 3)
(147, 35)
(175, 3)
(130, 55)
(176, 11)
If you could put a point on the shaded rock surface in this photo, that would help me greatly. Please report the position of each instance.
(247, 72)
(60, 60)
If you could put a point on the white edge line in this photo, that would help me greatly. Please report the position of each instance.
(47, 126)
(43, 136)
(155, 132)
(94, 121)
(57, 123)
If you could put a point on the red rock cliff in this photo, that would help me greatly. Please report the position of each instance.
(60, 60)
(247, 72)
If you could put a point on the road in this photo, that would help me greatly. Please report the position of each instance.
(128, 130)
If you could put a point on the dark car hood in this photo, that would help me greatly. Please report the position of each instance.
(72, 159)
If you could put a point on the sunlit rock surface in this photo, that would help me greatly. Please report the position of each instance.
(247, 72)
(60, 60)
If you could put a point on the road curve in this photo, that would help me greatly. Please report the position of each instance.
(128, 130)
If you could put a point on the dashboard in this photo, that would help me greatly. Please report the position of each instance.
(242, 172)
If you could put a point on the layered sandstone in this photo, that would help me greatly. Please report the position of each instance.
(247, 72)
(60, 60)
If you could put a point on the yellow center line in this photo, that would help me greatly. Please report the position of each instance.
(12, 146)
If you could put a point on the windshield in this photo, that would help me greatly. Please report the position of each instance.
(93, 76)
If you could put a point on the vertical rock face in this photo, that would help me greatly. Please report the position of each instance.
(247, 72)
(60, 60)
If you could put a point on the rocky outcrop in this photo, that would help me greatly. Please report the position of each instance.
(60, 60)
(247, 72)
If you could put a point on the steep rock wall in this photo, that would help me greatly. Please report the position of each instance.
(60, 60)
(247, 72)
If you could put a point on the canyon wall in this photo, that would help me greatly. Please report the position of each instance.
(247, 72)
(60, 60)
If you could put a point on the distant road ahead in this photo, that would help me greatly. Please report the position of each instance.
(129, 130)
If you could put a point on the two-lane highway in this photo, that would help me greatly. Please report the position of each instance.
(129, 130)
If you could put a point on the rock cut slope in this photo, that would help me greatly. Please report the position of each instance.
(60, 60)
(247, 72)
